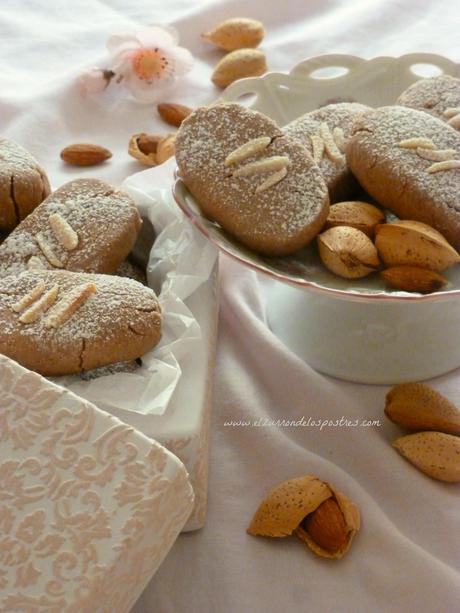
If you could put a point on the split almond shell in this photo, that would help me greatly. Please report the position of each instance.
(413, 243)
(434, 453)
(239, 65)
(352, 521)
(237, 33)
(347, 252)
(417, 406)
(151, 149)
(282, 511)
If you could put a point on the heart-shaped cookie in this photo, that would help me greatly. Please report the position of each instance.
(260, 185)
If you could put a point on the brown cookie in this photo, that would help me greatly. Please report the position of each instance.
(324, 132)
(59, 323)
(131, 271)
(23, 184)
(409, 161)
(439, 96)
(84, 226)
(257, 183)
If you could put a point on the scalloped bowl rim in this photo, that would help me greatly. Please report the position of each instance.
(180, 190)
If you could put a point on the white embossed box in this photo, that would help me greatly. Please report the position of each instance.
(182, 268)
(89, 506)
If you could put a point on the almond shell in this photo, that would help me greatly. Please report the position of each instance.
(352, 520)
(285, 507)
(417, 406)
(434, 453)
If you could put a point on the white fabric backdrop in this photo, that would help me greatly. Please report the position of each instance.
(407, 556)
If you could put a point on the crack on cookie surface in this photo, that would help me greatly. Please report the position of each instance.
(13, 200)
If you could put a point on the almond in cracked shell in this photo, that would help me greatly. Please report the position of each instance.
(60, 323)
(84, 226)
(23, 184)
(260, 185)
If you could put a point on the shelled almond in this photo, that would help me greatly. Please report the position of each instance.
(85, 154)
(173, 113)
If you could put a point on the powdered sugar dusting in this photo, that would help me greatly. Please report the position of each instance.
(16, 158)
(339, 115)
(433, 197)
(209, 136)
(93, 209)
(434, 95)
(117, 303)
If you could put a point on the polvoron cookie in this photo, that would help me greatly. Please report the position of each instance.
(260, 185)
(409, 161)
(439, 96)
(84, 226)
(23, 184)
(59, 323)
(324, 132)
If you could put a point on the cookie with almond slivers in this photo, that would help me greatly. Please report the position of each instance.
(409, 161)
(438, 96)
(60, 323)
(324, 132)
(84, 226)
(260, 185)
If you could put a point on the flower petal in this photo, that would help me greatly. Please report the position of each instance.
(181, 59)
(120, 40)
(139, 89)
(157, 36)
(94, 81)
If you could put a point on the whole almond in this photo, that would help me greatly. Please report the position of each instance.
(85, 154)
(237, 33)
(413, 279)
(434, 453)
(356, 214)
(327, 527)
(238, 65)
(417, 406)
(413, 243)
(347, 252)
(174, 114)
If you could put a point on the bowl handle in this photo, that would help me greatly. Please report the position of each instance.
(306, 68)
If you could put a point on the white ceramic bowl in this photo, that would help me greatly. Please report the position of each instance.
(355, 330)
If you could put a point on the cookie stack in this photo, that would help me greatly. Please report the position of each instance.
(271, 188)
(63, 310)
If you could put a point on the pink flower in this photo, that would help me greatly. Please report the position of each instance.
(147, 60)
(94, 81)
